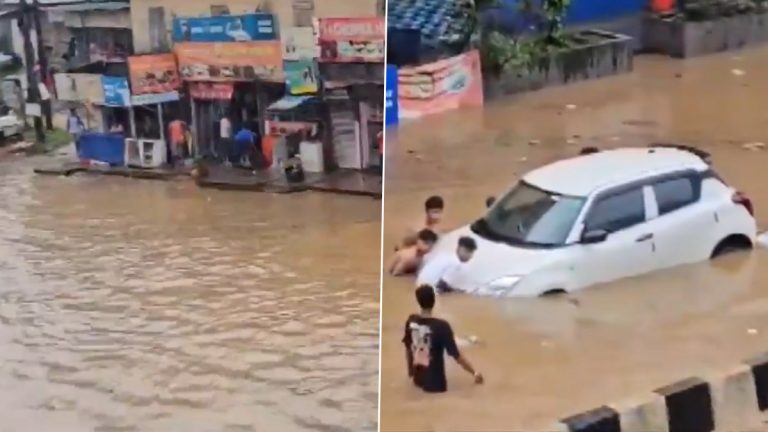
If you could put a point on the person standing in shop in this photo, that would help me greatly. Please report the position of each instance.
(177, 132)
(245, 144)
(225, 138)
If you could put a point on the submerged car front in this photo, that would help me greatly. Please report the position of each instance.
(522, 245)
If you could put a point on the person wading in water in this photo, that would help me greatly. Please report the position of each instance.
(426, 339)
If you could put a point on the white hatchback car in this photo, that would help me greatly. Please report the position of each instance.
(598, 218)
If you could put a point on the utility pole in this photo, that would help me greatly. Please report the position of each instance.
(42, 56)
(33, 91)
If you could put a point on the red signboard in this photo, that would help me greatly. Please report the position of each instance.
(211, 91)
(278, 128)
(155, 73)
(230, 61)
(351, 40)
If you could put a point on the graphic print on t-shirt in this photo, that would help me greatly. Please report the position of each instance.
(421, 344)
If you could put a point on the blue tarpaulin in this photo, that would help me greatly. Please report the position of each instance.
(107, 148)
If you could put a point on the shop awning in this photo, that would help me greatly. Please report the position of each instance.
(289, 102)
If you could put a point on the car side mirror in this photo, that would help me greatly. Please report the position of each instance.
(490, 201)
(594, 236)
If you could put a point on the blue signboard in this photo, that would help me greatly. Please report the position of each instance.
(225, 28)
(116, 91)
(391, 115)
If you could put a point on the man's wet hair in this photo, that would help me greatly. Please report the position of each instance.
(589, 150)
(427, 236)
(434, 203)
(468, 243)
(425, 296)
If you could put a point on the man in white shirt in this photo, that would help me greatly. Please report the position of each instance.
(225, 138)
(441, 271)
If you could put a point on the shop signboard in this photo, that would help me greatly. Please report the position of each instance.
(301, 77)
(154, 98)
(298, 43)
(441, 86)
(116, 91)
(351, 40)
(391, 107)
(233, 61)
(283, 128)
(225, 28)
(211, 91)
(155, 73)
(86, 88)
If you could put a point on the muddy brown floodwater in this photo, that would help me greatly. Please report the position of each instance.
(548, 358)
(132, 305)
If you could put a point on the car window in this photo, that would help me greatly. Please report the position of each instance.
(531, 216)
(617, 212)
(674, 194)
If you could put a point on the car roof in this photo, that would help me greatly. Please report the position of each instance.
(583, 175)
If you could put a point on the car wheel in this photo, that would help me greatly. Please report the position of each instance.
(731, 244)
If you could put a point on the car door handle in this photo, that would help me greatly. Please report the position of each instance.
(644, 237)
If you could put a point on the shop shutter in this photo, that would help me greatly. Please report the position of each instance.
(344, 127)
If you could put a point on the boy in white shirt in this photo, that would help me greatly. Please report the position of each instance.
(440, 271)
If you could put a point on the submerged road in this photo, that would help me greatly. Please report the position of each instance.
(130, 305)
(545, 359)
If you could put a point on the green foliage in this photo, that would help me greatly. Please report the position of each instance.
(500, 52)
(554, 11)
(54, 140)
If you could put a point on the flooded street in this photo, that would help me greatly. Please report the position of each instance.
(132, 305)
(544, 359)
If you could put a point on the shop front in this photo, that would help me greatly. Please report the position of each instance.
(236, 80)
(155, 102)
(294, 130)
(352, 70)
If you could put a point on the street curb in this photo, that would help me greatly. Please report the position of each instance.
(719, 401)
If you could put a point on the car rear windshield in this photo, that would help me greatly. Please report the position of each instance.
(530, 216)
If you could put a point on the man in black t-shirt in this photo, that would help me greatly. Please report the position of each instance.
(426, 338)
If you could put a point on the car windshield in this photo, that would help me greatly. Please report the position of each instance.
(530, 216)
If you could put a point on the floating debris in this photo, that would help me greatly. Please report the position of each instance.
(752, 331)
(738, 72)
(570, 107)
(762, 240)
(534, 142)
(754, 146)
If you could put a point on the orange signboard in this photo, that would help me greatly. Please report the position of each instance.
(347, 40)
(156, 73)
(448, 84)
(230, 61)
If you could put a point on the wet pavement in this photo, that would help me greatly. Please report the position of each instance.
(545, 359)
(134, 305)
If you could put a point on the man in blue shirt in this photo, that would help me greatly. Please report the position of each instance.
(245, 143)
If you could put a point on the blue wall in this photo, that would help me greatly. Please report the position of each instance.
(508, 17)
